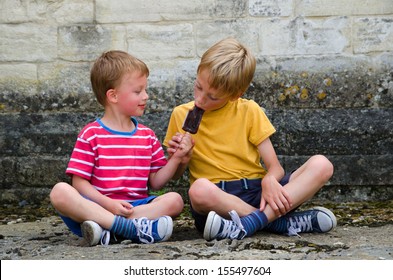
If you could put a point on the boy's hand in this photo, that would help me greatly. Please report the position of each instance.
(120, 208)
(181, 146)
(174, 144)
(275, 195)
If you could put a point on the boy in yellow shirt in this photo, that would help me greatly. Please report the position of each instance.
(232, 194)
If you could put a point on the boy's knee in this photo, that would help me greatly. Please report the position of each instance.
(176, 203)
(54, 193)
(58, 194)
(324, 165)
(197, 188)
(201, 191)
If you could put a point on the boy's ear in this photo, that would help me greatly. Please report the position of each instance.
(111, 96)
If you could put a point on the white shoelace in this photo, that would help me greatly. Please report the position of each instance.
(233, 229)
(144, 228)
(105, 237)
(299, 224)
(294, 231)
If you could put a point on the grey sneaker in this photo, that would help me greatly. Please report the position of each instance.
(152, 231)
(94, 234)
(317, 219)
(219, 228)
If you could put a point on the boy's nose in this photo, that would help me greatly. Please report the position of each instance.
(200, 100)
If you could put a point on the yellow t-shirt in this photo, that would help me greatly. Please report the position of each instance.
(226, 141)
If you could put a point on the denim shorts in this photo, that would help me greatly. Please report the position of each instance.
(75, 227)
(248, 190)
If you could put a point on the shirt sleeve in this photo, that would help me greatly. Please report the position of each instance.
(158, 157)
(82, 158)
(260, 126)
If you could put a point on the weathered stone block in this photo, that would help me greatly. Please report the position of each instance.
(24, 71)
(354, 193)
(58, 87)
(352, 170)
(60, 11)
(338, 7)
(34, 43)
(373, 34)
(208, 33)
(302, 36)
(83, 42)
(360, 87)
(270, 8)
(334, 131)
(155, 42)
(166, 10)
(41, 171)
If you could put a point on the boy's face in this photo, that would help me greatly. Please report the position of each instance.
(131, 94)
(207, 98)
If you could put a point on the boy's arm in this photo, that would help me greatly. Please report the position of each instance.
(273, 193)
(180, 171)
(176, 165)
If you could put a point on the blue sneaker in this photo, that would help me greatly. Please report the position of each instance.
(317, 219)
(219, 228)
(152, 231)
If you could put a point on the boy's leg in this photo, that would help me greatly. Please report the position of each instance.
(169, 204)
(308, 179)
(150, 222)
(207, 198)
(151, 219)
(69, 203)
(313, 174)
(304, 183)
(85, 218)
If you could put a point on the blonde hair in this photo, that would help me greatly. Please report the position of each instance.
(231, 67)
(108, 70)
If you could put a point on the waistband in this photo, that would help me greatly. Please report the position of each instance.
(242, 183)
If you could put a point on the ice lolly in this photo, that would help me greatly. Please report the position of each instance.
(193, 120)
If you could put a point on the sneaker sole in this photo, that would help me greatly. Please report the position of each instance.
(169, 227)
(329, 213)
(207, 232)
(88, 234)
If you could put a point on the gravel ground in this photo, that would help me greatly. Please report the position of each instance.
(364, 232)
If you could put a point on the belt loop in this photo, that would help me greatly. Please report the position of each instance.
(222, 185)
(245, 184)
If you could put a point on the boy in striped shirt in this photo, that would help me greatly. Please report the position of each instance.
(116, 160)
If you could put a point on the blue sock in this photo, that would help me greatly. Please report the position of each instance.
(123, 227)
(280, 225)
(254, 221)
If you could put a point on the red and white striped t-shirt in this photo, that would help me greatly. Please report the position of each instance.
(117, 164)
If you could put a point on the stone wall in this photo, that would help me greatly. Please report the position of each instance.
(324, 76)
